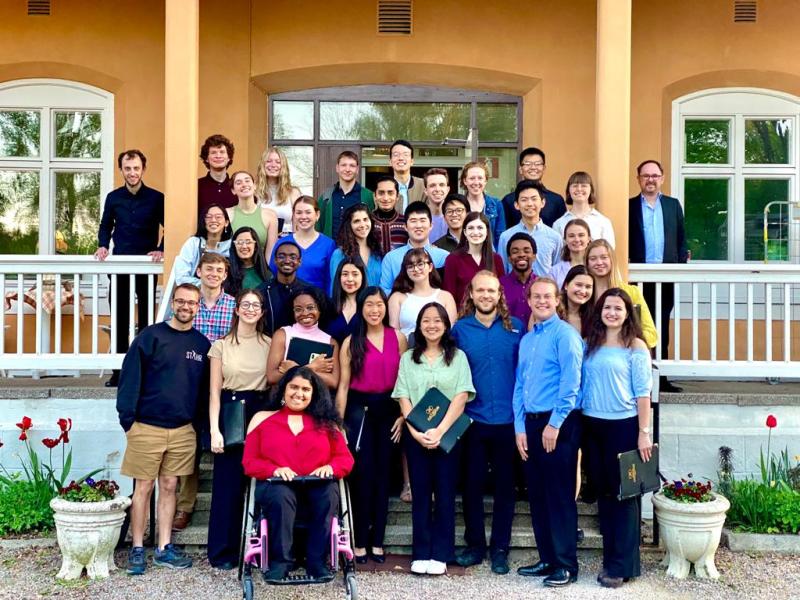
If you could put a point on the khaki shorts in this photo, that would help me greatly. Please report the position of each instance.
(154, 451)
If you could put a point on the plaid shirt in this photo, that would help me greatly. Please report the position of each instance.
(215, 322)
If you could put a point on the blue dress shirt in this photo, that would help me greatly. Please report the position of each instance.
(548, 372)
(653, 224)
(548, 246)
(492, 354)
(393, 262)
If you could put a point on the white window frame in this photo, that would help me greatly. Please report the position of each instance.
(50, 96)
(736, 105)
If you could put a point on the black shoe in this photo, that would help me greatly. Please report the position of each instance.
(113, 381)
(470, 556)
(362, 560)
(276, 573)
(540, 569)
(605, 580)
(669, 387)
(378, 558)
(500, 562)
(580, 535)
(224, 566)
(560, 578)
(320, 574)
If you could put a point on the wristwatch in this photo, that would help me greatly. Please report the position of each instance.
(644, 430)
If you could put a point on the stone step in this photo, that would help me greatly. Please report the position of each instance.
(520, 520)
(521, 507)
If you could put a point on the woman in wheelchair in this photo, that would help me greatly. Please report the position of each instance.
(300, 439)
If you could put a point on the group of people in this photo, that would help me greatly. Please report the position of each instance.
(514, 309)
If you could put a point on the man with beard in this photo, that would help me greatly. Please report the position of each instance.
(490, 338)
(521, 252)
(164, 377)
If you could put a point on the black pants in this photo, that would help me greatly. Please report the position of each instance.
(667, 303)
(432, 473)
(551, 490)
(121, 307)
(489, 446)
(318, 501)
(369, 419)
(620, 520)
(227, 490)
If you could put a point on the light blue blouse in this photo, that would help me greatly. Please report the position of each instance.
(373, 269)
(612, 380)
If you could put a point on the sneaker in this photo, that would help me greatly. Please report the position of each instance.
(173, 557)
(419, 567)
(136, 561)
(436, 567)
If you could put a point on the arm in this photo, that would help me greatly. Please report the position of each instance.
(570, 359)
(215, 387)
(449, 304)
(683, 251)
(254, 463)
(277, 350)
(499, 223)
(387, 278)
(185, 263)
(130, 383)
(326, 368)
(395, 300)
(344, 377)
(649, 330)
(341, 459)
(433, 436)
(608, 233)
(336, 258)
(105, 230)
(270, 220)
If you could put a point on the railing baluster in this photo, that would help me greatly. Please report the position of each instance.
(131, 302)
(112, 299)
(57, 304)
(749, 322)
(768, 320)
(713, 328)
(695, 326)
(3, 314)
(20, 314)
(38, 313)
(76, 314)
(787, 323)
(657, 318)
(95, 311)
(731, 322)
(677, 321)
(151, 299)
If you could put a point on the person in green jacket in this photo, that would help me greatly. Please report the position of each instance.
(341, 195)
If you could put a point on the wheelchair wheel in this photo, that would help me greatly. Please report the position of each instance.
(350, 587)
(247, 587)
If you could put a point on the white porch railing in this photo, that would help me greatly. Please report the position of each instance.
(730, 321)
(38, 290)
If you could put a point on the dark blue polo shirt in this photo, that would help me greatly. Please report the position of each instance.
(132, 221)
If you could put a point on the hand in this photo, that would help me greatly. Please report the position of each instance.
(284, 473)
(321, 364)
(156, 255)
(217, 442)
(101, 253)
(417, 436)
(549, 437)
(522, 445)
(325, 471)
(432, 437)
(285, 366)
(645, 446)
(397, 429)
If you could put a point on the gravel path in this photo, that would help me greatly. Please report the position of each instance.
(29, 573)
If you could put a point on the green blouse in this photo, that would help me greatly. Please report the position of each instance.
(413, 379)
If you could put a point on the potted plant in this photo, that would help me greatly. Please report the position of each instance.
(690, 517)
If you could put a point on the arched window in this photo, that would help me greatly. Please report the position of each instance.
(56, 165)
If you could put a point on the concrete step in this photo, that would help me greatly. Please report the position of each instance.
(521, 507)
(520, 520)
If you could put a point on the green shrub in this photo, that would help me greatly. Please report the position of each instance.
(25, 507)
(761, 508)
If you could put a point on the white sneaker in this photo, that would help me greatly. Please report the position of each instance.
(419, 567)
(436, 567)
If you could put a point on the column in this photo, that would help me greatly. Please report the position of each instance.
(612, 117)
(181, 102)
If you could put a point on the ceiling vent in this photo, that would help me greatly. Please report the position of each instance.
(394, 17)
(38, 8)
(745, 11)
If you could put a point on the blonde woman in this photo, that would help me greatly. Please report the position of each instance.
(274, 187)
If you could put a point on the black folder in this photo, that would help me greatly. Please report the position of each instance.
(430, 411)
(636, 476)
(303, 351)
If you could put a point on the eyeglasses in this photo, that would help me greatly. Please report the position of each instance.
(454, 212)
(401, 154)
(527, 164)
(215, 217)
(645, 177)
(418, 266)
(250, 305)
(243, 243)
(283, 256)
(310, 308)
(182, 302)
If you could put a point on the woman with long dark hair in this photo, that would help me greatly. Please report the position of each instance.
(248, 269)
(237, 375)
(348, 281)
(474, 253)
(615, 392)
(369, 359)
(577, 298)
(435, 361)
(357, 238)
(306, 420)
(213, 235)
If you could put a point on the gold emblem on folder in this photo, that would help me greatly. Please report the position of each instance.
(431, 412)
(632, 472)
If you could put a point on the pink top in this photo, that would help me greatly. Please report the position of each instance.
(315, 334)
(379, 372)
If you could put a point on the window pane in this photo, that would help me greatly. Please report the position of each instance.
(19, 133)
(19, 212)
(292, 120)
(77, 212)
(387, 121)
(706, 204)
(502, 165)
(77, 135)
(301, 167)
(706, 142)
(758, 193)
(497, 122)
(767, 141)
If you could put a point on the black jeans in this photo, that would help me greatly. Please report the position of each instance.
(120, 305)
(551, 490)
(432, 473)
(489, 446)
(369, 419)
(620, 520)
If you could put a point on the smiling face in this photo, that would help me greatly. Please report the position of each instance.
(351, 279)
(521, 256)
(475, 181)
(580, 192)
(576, 238)
(347, 169)
(272, 165)
(132, 170)
(454, 215)
(485, 293)
(305, 216)
(418, 226)
(185, 304)
(374, 310)
(212, 274)
(529, 204)
(401, 160)
(249, 309)
(476, 232)
(287, 259)
(532, 167)
(298, 394)
(245, 246)
(419, 269)
(436, 189)
(361, 224)
(543, 299)
(650, 179)
(385, 196)
(598, 261)
(306, 311)
(579, 290)
(432, 325)
(216, 220)
(218, 159)
(243, 185)
(613, 313)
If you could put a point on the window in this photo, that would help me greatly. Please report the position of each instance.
(56, 164)
(736, 152)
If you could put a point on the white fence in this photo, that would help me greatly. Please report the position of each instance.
(37, 291)
(739, 319)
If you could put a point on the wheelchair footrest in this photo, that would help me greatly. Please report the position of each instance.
(299, 579)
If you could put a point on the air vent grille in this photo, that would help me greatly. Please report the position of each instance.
(38, 8)
(394, 17)
(745, 11)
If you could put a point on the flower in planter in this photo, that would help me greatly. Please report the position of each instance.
(89, 490)
(688, 491)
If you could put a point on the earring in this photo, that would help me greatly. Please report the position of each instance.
(283, 402)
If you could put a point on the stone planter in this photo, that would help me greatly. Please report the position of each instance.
(87, 534)
(691, 533)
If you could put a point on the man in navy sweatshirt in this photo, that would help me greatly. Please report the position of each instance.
(164, 379)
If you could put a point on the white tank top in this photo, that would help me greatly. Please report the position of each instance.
(283, 211)
(409, 310)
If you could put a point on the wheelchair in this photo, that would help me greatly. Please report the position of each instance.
(254, 555)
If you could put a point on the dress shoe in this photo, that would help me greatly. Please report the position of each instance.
(276, 573)
(669, 387)
(540, 569)
(224, 566)
(500, 562)
(560, 578)
(470, 556)
(181, 521)
(319, 573)
(607, 581)
(362, 560)
(113, 381)
(378, 558)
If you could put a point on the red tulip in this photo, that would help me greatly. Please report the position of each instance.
(64, 424)
(23, 436)
(25, 424)
(51, 442)
(772, 421)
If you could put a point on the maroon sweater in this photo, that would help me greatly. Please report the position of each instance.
(460, 268)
